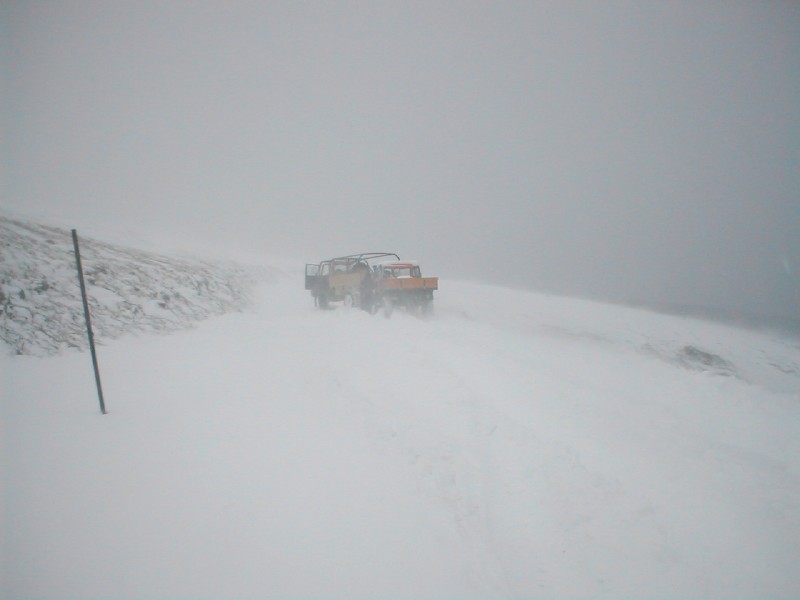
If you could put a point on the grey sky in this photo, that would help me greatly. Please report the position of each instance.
(621, 150)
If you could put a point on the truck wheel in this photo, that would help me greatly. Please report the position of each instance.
(322, 301)
(349, 301)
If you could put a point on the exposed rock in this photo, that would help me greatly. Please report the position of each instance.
(694, 358)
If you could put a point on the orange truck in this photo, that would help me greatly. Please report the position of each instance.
(372, 281)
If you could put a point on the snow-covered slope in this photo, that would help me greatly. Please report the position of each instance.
(513, 445)
(131, 291)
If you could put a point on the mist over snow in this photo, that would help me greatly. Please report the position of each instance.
(624, 151)
(511, 445)
(544, 439)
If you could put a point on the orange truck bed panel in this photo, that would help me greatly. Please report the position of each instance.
(411, 283)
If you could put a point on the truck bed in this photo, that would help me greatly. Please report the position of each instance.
(410, 283)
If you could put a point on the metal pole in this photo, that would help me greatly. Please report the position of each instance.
(88, 322)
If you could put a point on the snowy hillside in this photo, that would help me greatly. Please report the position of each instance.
(513, 445)
(131, 291)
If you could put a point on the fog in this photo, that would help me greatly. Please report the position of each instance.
(634, 151)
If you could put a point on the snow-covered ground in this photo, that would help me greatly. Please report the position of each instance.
(513, 445)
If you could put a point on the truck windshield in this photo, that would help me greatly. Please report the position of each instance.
(403, 272)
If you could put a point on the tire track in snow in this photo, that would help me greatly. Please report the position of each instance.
(416, 406)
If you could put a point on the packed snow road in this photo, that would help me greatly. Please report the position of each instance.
(512, 445)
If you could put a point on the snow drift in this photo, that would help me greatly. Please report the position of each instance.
(513, 445)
